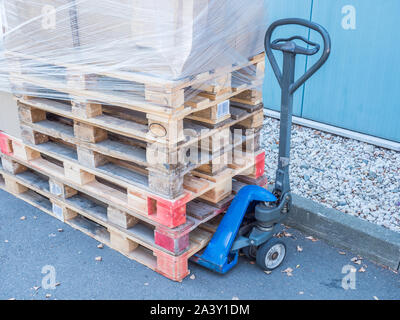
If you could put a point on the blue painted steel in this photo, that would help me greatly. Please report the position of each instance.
(218, 256)
(359, 88)
(279, 9)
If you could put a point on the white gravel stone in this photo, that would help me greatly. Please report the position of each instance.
(351, 176)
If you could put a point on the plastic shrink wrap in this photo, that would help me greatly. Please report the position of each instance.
(53, 47)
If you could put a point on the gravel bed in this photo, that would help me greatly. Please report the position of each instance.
(351, 176)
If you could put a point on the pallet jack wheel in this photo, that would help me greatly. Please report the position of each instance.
(271, 254)
(250, 252)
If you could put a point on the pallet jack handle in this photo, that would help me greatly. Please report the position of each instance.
(287, 45)
(288, 86)
(269, 209)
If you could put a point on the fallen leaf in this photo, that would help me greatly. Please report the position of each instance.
(100, 246)
(192, 277)
(394, 271)
(299, 249)
(268, 272)
(288, 272)
(342, 253)
(298, 266)
(356, 260)
(48, 295)
(311, 238)
(36, 288)
(284, 234)
(23, 218)
(60, 230)
(376, 298)
(252, 262)
(362, 269)
(57, 284)
(98, 258)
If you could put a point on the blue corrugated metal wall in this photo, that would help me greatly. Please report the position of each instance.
(359, 87)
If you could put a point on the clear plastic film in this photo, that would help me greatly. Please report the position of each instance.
(117, 51)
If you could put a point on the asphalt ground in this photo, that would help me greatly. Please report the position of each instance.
(311, 270)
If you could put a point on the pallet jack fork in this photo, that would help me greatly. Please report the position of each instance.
(254, 214)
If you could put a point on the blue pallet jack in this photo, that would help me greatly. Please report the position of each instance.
(255, 213)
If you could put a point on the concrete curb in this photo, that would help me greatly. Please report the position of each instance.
(342, 230)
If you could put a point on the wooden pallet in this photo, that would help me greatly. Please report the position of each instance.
(81, 213)
(137, 126)
(129, 139)
(162, 169)
(138, 91)
(135, 238)
(144, 126)
(253, 68)
(174, 240)
(120, 187)
(168, 181)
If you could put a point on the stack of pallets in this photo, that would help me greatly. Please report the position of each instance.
(147, 174)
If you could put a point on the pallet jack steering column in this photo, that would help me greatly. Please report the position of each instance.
(289, 86)
(253, 216)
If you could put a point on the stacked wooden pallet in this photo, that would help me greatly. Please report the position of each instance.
(147, 174)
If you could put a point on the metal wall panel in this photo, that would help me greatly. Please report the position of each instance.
(359, 87)
(279, 9)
